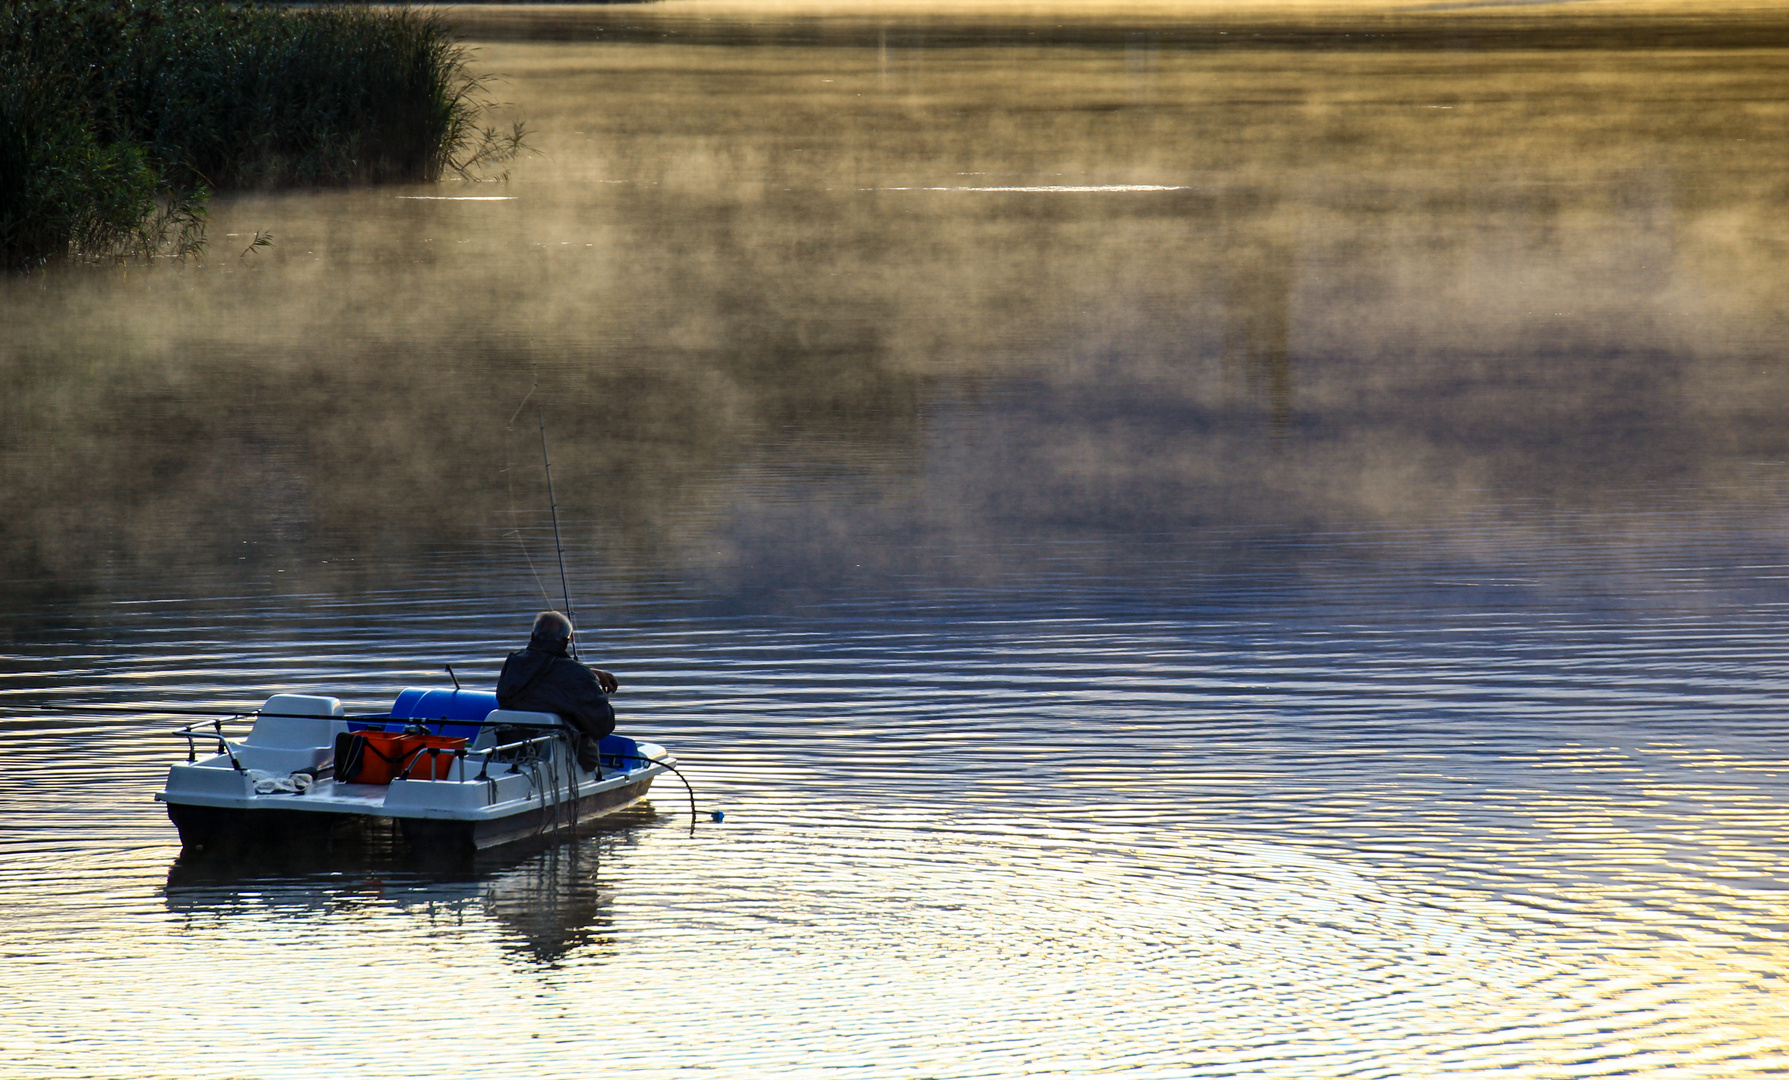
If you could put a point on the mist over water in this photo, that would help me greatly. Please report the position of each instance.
(1176, 559)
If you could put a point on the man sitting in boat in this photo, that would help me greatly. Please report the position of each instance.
(544, 678)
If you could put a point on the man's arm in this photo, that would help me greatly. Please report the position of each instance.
(605, 680)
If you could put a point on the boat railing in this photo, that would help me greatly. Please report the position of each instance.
(516, 754)
(525, 752)
(195, 731)
(434, 771)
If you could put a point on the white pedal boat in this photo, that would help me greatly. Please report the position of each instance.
(279, 781)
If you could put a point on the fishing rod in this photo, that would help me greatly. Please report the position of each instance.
(244, 714)
(558, 546)
(160, 710)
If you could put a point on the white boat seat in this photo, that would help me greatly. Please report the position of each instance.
(297, 721)
(488, 738)
(294, 731)
(521, 716)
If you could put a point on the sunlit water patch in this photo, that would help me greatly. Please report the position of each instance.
(1278, 831)
(815, 938)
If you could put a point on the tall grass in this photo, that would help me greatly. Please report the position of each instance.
(119, 117)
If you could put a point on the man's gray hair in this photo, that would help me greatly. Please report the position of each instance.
(552, 628)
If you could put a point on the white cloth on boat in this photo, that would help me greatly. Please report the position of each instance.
(267, 783)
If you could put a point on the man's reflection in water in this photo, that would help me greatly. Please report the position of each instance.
(556, 903)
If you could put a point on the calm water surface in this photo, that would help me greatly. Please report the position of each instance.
(1175, 560)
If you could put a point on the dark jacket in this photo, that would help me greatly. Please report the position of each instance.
(543, 679)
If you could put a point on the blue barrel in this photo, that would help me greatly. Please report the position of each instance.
(416, 703)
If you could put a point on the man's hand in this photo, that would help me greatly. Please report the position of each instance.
(605, 680)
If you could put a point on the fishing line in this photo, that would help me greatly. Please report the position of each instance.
(509, 480)
(525, 398)
(558, 545)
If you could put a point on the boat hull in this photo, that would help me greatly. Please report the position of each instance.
(435, 834)
(220, 829)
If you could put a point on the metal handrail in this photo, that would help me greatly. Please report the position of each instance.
(435, 752)
(516, 761)
(217, 732)
(559, 733)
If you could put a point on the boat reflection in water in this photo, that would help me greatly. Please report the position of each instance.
(548, 898)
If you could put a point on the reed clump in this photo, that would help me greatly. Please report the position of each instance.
(118, 118)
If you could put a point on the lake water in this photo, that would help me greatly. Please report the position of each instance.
(1176, 558)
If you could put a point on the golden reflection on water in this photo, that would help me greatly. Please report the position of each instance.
(1132, 943)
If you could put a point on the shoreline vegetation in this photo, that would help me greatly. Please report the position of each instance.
(119, 118)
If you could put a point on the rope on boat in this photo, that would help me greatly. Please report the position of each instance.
(670, 768)
(552, 780)
(540, 783)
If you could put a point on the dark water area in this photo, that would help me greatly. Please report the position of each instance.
(1174, 562)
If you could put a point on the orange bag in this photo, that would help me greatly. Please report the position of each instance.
(379, 757)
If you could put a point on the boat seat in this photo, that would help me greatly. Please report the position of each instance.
(293, 731)
(620, 752)
(516, 716)
(523, 717)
